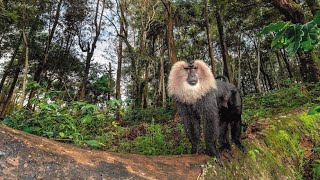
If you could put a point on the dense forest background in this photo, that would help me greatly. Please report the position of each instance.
(94, 72)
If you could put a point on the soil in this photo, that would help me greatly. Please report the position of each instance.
(26, 156)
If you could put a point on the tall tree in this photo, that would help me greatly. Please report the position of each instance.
(209, 38)
(162, 88)
(119, 64)
(89, 47)
(25, 69)
(41, 68)
(11, 62)
(224, 50)
(169, 27)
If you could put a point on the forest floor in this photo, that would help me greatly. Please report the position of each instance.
(26, 156)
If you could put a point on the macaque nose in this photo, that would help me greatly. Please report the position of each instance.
(192, 79)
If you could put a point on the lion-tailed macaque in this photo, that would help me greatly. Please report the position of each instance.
(200, 97)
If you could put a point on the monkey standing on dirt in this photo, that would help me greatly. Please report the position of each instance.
(199, 96)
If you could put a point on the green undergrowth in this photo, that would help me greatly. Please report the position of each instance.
(288, 99)
(143, 131)
(275, 152)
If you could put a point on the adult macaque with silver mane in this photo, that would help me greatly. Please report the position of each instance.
(199, 96)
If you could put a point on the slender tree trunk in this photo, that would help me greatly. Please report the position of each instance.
(119, 71)
(239, 63)
(286, 61)
(162, 87)
(136, 80)
(13, 83)
(109, 81)
(25, 70)
(10, 65)
(169, 26)
(41, 68)
(144, 101)
(209, 39)
(83, 86)
(257, 46)
(267, 78)
(224, 50)
(279, 62)
(89, 49)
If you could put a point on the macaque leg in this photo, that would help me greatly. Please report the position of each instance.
(211, 133)
(192, 128)
(236, 132)
(224, 138)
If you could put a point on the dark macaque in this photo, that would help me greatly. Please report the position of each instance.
(199, 97)
(230, 110)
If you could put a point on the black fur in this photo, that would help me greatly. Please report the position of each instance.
(218, 109)
(230, 110)
(207, 109)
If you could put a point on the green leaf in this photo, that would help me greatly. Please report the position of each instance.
(316, 17)
(88, 108)
(86, 119)
(314, 110)
(316, 149)
(307, 44)
(29, 129)
(296, 39)
(275, 27)
(94, 143)
(61, 134)
(278, 41)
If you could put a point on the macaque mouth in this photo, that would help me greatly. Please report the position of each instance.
(192, 82)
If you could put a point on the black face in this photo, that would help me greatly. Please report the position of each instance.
(192, 74)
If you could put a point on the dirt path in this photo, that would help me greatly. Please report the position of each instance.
(26, 156)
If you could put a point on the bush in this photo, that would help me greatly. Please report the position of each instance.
(279, 101)
(156, 114)
(78, 122)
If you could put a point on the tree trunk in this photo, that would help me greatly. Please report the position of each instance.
(286, 61)
(25, 70)
(209, 40)
(41, 68)
(257, 47)
(109, 81)
(224, 50)
(144, 100)
(268, 80)
(169, 26)
(10, 65)
(239, 63)
(162, 88)
(89, 49)
(83, 86)
(13, 83)
(119, 71)
(136, 80)
(309, 64)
